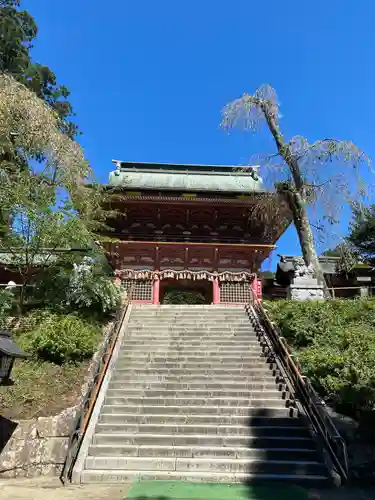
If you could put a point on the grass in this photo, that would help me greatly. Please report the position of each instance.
(41, 389)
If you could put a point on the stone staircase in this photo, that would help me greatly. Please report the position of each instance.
(192, 397)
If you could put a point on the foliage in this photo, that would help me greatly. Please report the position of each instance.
(61, 338)
(183, 297)
(89, 288)
(30, 127)
(266, 275)
(43, 228)
(6, 303)
(18, 30)
(347, 257)
(335, 345)
(304, 173)
(362, 232)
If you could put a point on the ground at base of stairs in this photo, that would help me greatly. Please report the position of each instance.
(180, 490)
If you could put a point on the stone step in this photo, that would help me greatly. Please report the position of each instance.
(202, 452)
(191, 309)
(108, 477)
(192, 322)
(231, 402)
(139, 364)
(197, 371)
(209, 311)
(178, 349)
(192, 339)
(178, 357)
(194, 331)
(188, 419)
(206, 465)
(251, 412)
(196, 386)
(185, 318)
(207, 430)
(148, 377)
(174, 327)
(166, 341)
(205, 440)
(198, 393)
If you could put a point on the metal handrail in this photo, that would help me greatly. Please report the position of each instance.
(89, 400)
(314, 407)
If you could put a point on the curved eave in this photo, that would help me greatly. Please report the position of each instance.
(188, 181)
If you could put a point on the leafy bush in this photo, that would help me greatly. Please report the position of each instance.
(6, 303)
(335, 344)
(60, 338)
(183, 297)
(89, 288)
(51, 286)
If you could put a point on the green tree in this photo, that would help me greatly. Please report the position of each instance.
(362, 232)
(42, 226)
(305, 173)
(18, 30)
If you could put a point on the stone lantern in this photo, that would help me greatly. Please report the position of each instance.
(9, 351)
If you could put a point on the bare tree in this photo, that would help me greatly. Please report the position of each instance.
(324, 175)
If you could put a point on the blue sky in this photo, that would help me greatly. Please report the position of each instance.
(148, 79)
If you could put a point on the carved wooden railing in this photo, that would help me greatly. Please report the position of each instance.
(89, 400)
(299, 385)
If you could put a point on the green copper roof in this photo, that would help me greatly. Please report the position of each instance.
(188, 178)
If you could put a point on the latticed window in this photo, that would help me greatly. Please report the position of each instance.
(139, 289)
(235, 291)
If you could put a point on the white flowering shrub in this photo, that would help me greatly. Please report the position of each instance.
(88, 288)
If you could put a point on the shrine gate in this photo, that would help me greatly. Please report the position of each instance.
(206, 227)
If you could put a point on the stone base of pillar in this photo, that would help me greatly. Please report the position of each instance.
(305, 289)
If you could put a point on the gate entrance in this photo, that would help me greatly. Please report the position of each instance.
(186, 292)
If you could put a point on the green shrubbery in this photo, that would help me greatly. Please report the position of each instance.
(60, 338)
(183, 297)
(335, 344)
(86, 287)
(6, 303)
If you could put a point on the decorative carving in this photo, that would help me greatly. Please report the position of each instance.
(145, 274)
(301, 270)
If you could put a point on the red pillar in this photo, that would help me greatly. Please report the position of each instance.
(254, 287)
(259, 289)
(155, 291)
(216, 291)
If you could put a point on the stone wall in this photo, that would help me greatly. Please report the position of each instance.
(38, 447)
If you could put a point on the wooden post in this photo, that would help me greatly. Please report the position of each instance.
(216, 291)
(155, 291)
(254, 287)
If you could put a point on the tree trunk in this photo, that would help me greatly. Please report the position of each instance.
(21, 300)
(296, 198)
(305, 236)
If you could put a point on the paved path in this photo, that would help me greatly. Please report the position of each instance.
(50, 488)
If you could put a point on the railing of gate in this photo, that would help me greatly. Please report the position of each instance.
(89, 400)
(313, 406)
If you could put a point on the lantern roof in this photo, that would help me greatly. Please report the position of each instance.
(189, 178)
(10, 348)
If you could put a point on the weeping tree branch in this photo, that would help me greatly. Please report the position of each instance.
(301, 179)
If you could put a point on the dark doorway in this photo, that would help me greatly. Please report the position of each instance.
(186, 292)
